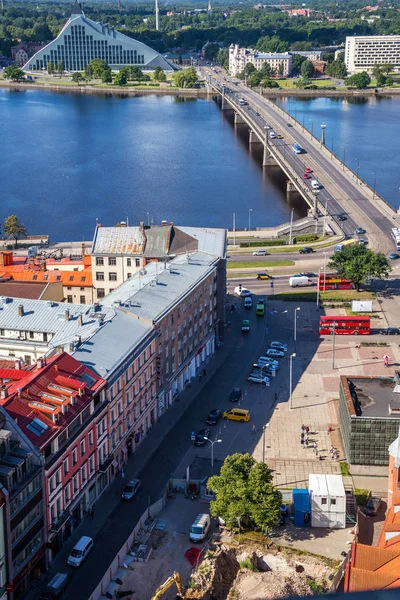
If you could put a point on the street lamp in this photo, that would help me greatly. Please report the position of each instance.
(295, 322)
(263, 442)
(333, 344)
(325, 255)
(234, 229)
(358, 166)
(312, 129)
(318, 289)
(250, 211)
(291, 227)
(323, 127)
(344, 157)
(374, 174)
(326, 214)
(266, 135)
(331, 147)
(212, 451)
(291, 357)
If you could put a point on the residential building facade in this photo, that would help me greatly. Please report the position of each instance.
(280, 63)
(24, 50)
(82, 40)
(363, 52)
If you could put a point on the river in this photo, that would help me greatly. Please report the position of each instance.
(68, 159)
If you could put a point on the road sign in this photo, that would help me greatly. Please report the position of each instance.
(271, 283)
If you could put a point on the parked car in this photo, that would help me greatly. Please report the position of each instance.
(306, 250)
(278, 346)
(245, 326)
(360, 230)
(237, 414)
(261, 370)
(241, 291)
(274, 352)
(363, 241)
(342, 217)
(259, 379)
(390, 331)
(264, 276)
(200, 439)
(236, 395)
(260, 253)
(372, 505)
(394, 256)
(248, 302)
(267, 360)
(131, 489)
(214, 416)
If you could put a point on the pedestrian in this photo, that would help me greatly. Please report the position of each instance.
(329, 430)
(276, 396)
(303, 428)
(316, 451)
(204, 372)
(253, 429)
(92, 513)
(302, 442)
(307, 429)
(306, 439)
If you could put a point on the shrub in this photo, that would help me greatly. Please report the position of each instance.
(247, 564)
(306, 237)
(263, 243)
(360, 496)
(344, 469)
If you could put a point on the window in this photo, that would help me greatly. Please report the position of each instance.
(112, 276)
(67, 496)
(112, 261)
(69, 299)
(82, 447)
(82, 299)
(74, 456)
(99, 276)
(31, 334)
(128, 262)
(90, 438)
(76, 483)
(333, 501)
(83, 473)
(91, 464)
(129, 275)
(137, 262)
(27, 359)
(324, 501)
(101, 293)
(66, 466)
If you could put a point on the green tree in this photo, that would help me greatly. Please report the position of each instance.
(271, 44)
(281, 69)
(159, 74)
(254, 79)
(244, 493)
(250, 68)
(387, 68)
(297, 61)
(211, 51)
(265, 70)
(60, 67)
(14, 228)
(106, 76)
(51, 67)
(307, 69)
(186, 78)
(96, 67)
(77, 77)
(121, 78)
(358, 263)
(269, 83)
(359, 81)
(301, 46)
(222, 58)
(135, 73)
(14, 73)
(381, 80)
(377, 71)
(337, 69)
(389, 81)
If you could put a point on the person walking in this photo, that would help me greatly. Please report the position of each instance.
(303, 428)
(253, 429)
(307, 429)
(315, 447)
(306, 440)
(329, 431)
(92, 513)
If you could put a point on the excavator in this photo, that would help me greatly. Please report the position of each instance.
(175, 578)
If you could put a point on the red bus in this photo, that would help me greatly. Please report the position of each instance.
(333, 282)
(345, 325)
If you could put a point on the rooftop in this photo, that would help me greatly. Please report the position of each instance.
(326, 485)
(118, 240)
(68, 278)
(269, 55)
(31, 290)
(372, 397)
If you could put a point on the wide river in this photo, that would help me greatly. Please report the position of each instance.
(69, 159)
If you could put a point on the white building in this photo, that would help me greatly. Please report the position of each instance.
(82, 40)
(312, 55)
(328, 501)
(280, 63)
(363, 52)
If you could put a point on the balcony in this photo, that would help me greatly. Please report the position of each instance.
(59, 522)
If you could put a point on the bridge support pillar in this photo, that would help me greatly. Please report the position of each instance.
(225, 105)
(209, 89)
(268, 159)
(238, 119)
(290, 187)
(253, 138)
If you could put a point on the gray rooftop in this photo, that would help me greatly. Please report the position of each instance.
(267, 55)
(118, 240)
(157, 241)
(376, 395)
(210, 240)
(109, 346)
(155, 289)
(50, 317)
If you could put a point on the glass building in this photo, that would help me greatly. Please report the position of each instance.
(81, 40)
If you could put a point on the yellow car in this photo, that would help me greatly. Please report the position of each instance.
(264, 276)
(237, 414)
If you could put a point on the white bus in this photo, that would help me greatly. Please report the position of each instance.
(396, 237)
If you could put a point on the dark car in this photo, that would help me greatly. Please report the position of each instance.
(235, 395)
(200, 439)
(390, 331)
(394, 256)
(213, 417)
(131, 489)
(342, 217)
(360, 230)
(306, 250)
(308, 274)
(372, 505)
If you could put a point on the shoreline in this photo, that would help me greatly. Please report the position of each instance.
(192, 92)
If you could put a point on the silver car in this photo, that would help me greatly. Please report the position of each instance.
(131, 489)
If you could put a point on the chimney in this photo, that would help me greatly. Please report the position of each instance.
(39, 363)
(20, 310)
(71, 348)
(56, 367)
(3, 393)
(19, 392)
(83, 249)
(67, 315)
(141, 225)
(80, 320)
(17, 365)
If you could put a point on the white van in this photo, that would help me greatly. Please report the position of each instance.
(299, 281)
(199, 528)
(315, 184)
(80, 551)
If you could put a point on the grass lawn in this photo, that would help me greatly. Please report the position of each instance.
(331, 296)
(290, 83)
(264, 264)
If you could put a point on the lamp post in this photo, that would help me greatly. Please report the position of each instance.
(234, 229)
(291, 357)
(291, 227)
(250, 211)
(318, 290)
(263, 442)
(326, 214)
(212, 451)
(358, 166)
(295, 322)
(373, 197)
(344, 157)
(325, 255)
(331, 147)
(333, 343)
(323, 127)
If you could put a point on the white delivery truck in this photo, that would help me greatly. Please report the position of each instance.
(299, 281)
(315, 184)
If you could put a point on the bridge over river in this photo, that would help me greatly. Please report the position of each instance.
(341, 191)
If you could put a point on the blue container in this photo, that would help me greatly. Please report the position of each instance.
(302, 507)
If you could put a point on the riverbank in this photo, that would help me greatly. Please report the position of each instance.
(339, 93)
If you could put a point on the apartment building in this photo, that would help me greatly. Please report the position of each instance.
(363, 52)
(280, 63)
(57, 406)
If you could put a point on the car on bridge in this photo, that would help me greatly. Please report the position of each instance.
(306, 250)
(308, 274)
(280, 136)
(306, 176)
(289, 125)
(272, 135)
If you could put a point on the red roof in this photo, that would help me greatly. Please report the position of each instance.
(47, 399)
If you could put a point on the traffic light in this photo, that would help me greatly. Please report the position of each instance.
(240, 287)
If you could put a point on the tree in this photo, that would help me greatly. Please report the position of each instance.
(96, 67)
(389, 81)
(14, 73)
(211, 51)
(269, 83)
(106, 76)
(387, 68)
(337, 69)
(377, 71)
(77, 77)
(135, 73)
(186, 78)
(381, 80)
(121, 78)
(51, 67)
(14, 228)
(281, 69)
(244, 493)
(254, 79)
(358, 263)
(297, 61)
(359, 81)
(301, 46)
(250, 68)
(159, 74)
(307, 69)
(60, 67)
(265, 69)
